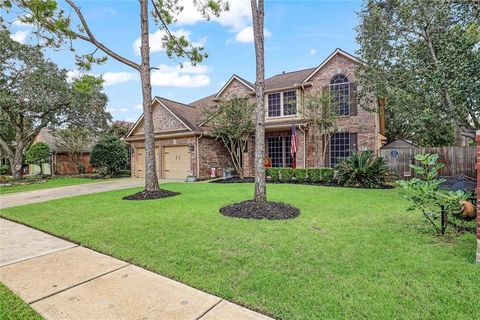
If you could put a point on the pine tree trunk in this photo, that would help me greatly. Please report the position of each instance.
(151, 179)
(258, 18)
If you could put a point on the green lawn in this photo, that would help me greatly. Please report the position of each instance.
(51, 183)
(13, 308)
(350, 254)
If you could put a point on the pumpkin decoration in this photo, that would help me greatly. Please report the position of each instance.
(467, 210)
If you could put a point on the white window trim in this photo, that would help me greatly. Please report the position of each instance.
(282, 115)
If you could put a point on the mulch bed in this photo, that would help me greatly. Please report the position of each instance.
(306, 183)
(151, 195)
(260, 210)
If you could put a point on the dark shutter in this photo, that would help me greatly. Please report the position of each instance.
(353, 142)
(326, 139)
(353, 99)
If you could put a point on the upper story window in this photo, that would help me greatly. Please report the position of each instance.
(282, 103)
(274, 105)
(340, 93)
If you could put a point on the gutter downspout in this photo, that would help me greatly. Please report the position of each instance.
(198, 156)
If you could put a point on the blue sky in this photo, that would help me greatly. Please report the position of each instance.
(300, 34)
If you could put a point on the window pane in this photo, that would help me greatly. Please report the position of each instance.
(340, 94)
(287, 154)
(339, 147)
(275, 151)
(274, 105)
(289, 103)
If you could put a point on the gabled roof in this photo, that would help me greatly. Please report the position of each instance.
(333, 54)
(246, 83)
(54, 141)
(287, 79)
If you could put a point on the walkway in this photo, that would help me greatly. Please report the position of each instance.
(27, 197)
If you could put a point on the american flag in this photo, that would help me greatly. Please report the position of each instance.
(294, 146)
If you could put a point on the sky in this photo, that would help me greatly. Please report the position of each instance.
(299, 35)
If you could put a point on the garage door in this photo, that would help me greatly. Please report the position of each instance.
(140, 162)
(177, 162)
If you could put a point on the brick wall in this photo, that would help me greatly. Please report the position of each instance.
(478, 195)
(364, 124)
(63, 165)
(213, 154)
(162, 120)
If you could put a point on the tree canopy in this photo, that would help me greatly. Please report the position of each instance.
(424, 57)
(35, 93)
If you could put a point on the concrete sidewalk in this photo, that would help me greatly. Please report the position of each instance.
(62, 280)
(27, 197)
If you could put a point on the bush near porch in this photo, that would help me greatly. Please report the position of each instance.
(352, 253)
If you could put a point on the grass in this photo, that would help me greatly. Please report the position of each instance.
(51, 183)
(351, 253)
(13, 308)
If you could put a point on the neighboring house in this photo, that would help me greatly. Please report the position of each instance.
(400, 144)
(184, 146)
(60, 162)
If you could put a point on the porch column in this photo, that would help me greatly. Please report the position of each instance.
(477, 139)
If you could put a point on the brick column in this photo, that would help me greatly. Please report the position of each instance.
(477, 139)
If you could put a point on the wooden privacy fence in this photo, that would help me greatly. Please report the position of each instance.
(457, 160)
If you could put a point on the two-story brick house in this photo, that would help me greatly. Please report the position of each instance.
(184, 146)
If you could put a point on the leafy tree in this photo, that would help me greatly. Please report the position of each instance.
(320, 115)
(119, 129)
(75, 142)
(38, 154)
(424, 194)
(35, 93)
(426, 51)
(109, 155)
(56, 28)
(405, 120)
(258, 15)
(232, 122)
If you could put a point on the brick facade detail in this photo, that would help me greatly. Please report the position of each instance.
(63, 165)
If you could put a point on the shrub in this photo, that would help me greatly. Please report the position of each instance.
(286, 174)
(38, 154)
(109, 155)
(301, 174)
(363, 169)
(4, 169)
(314, 175)
(424, 193)
(273, 173)
(327, 174)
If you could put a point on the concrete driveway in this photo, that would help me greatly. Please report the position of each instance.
(27, 197)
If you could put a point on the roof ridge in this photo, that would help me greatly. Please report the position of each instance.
(305, 69)
(186, 105)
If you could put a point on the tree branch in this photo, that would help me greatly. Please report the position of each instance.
(91, 38)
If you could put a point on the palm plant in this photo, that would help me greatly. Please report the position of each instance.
(363, 169)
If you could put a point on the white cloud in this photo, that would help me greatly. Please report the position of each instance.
(174, 76)
(112, 78)
(111, 110)
(138, 107)
(237, 19)
(246, 35)
(20, 35)
(156, 40)
(312, 52)
(123, 109)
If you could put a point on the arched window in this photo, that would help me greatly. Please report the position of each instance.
(340, 93)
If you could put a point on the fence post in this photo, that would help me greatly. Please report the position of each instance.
(477, 139)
